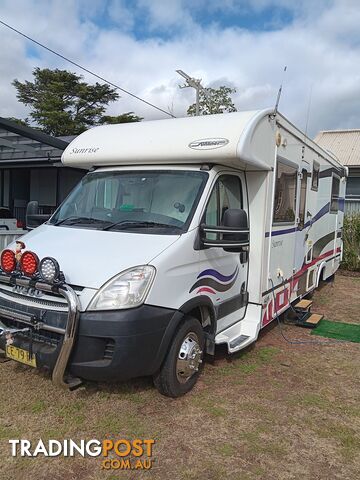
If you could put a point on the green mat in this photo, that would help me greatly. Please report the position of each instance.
(338, 330)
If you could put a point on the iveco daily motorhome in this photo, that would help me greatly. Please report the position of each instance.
(184, 234)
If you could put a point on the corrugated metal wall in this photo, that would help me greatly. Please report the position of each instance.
(352, 206)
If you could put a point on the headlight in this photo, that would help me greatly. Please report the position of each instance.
(127, 290)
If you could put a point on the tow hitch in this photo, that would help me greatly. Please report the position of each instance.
(12, 331)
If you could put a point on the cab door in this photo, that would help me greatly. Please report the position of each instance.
(224, 273)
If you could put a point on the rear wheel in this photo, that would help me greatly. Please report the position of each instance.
(184, 360)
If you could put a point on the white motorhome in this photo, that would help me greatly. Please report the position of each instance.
(184, 234)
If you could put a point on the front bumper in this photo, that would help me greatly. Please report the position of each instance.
(101, 346)
(122, 344)
(33, 322)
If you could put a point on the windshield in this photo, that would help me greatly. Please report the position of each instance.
(141, 201)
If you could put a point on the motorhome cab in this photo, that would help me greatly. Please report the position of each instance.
(184, 234)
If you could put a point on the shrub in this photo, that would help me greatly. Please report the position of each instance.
(351, 237)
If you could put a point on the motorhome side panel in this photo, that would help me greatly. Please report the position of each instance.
(305, 235)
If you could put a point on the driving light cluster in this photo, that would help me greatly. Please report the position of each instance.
(29, 263)
(126, 290)
(48, 269)
(8, 260)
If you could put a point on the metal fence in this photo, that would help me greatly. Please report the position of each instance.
(20, 212)
(9, 236)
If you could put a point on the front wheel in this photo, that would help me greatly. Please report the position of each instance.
(184, 360)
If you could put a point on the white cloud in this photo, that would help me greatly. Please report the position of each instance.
(321, 48)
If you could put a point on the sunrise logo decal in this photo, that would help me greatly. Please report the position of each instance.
(212, 281)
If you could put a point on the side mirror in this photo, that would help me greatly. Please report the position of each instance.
(33, 217)
(232, 235)
(236, 218)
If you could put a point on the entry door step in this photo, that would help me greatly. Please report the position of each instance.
(304, 318)
(236, 342)
(314, 319)
(309, 320)
(303, 305)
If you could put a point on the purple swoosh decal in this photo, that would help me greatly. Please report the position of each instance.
(219, 276)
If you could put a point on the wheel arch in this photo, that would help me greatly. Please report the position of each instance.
(320, 275)
(200, 307)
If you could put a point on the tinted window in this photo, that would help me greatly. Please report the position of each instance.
(353, 186)
(303, 192)
(335, 187)
(315, 176)
(285, 193)
(227, 193)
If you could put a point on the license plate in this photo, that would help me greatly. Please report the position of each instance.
(20, 355)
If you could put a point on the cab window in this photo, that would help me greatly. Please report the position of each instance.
(227, 193)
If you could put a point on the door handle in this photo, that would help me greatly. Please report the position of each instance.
(244, 256)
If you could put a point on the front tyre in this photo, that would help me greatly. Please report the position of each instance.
(184, 360)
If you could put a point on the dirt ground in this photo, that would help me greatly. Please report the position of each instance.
(277, 411)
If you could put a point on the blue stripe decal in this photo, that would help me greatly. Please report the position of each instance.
(281, 232)
(323, 211)
(217, 275)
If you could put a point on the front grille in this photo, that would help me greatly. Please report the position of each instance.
(109, 350)
(34, 300)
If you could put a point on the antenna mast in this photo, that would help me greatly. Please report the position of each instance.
(308, 112)
(279, 93)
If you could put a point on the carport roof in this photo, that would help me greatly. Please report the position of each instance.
(21, 144)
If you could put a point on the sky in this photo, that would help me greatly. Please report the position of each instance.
(243, 44)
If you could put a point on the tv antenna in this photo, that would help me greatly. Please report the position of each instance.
(279, 93)
(308, 111)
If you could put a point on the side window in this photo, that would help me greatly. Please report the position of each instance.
(302, 202)
(227, 193)
(211, 212)
(285, 193)
(335, 188)
(315, 176)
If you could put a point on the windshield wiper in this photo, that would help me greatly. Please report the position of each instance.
(139, 224)
(73, 220)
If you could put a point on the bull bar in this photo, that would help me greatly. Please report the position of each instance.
(69, 333)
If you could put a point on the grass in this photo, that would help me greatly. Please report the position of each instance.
(274, 411)
(248, 362)
(346, 437)
(38, 406)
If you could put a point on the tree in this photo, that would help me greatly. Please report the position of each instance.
(214, 100)
(128, 117)
(19, 121)
(61, 103)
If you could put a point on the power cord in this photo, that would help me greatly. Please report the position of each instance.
(297, 341)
